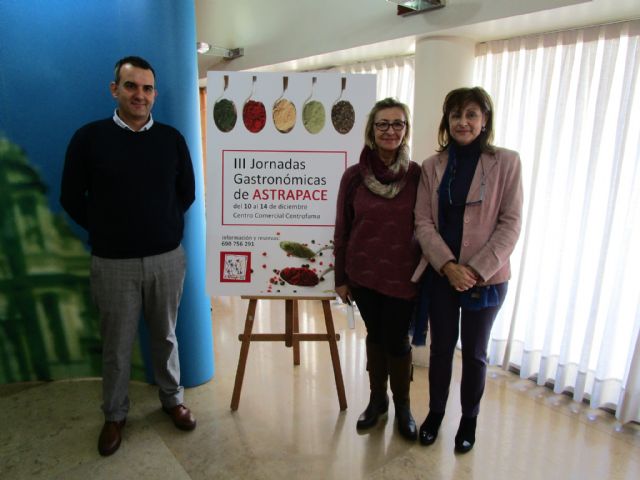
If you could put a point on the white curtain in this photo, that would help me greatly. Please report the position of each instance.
(569, 102)
(395, 76)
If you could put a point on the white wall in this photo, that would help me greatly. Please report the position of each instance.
(442, 64)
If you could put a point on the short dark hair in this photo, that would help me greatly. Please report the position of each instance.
(136, 62)
(458, 99)
(369, 133)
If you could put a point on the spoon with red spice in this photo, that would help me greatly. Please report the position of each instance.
(254, 115)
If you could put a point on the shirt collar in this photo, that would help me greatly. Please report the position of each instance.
(122, 124)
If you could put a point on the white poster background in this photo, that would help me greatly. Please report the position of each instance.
(266, 188)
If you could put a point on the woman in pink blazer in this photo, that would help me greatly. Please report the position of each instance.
(468, 218)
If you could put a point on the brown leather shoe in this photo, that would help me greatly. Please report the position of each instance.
(181, 416)
(110, 437)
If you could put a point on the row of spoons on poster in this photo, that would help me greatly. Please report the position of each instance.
(284, 113)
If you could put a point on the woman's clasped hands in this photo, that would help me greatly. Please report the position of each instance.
(461, 277)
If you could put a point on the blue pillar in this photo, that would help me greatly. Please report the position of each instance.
(56, 62)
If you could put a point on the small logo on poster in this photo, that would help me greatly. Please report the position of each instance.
(235, 267)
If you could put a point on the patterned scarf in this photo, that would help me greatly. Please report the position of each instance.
(382, 180)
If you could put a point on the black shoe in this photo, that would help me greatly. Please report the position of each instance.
(429, 428)
(466, 436)
(406, 423)
(378, 406)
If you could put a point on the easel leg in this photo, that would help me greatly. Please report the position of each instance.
(244, 352)
(335, 359)
(288, 322)
(296, 329)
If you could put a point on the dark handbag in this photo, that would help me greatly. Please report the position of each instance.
(477, 298)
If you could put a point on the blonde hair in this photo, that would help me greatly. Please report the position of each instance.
(369, 133)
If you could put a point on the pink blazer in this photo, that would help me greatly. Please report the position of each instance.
(490, 229)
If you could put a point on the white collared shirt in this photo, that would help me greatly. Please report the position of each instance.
(121, 123)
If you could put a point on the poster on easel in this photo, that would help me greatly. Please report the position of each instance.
(277, 146)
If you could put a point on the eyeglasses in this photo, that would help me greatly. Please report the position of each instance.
(483, 184)
(397, 126)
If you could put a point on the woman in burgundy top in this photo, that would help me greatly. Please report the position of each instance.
(376, 254)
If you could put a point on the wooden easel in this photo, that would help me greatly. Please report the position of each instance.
(292, 338)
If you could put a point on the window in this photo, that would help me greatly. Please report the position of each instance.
(569, 102)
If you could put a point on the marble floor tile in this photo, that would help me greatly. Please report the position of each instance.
(289, 425)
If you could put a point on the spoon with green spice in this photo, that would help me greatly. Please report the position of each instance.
(313, 115)
(224, 110)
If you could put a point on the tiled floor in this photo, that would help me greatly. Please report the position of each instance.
(289, 425)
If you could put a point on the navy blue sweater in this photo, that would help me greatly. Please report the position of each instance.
(457, 183)
(128, 189)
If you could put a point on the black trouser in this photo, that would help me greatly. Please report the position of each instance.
(387, 320)
(447, 320)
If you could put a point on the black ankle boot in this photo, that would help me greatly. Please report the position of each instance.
(378, 405)
(406, 423)
(429, 428)
(466, 436)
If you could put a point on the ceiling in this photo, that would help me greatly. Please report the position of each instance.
(582, 14)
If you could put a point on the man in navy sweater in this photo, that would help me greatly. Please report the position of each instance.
(128, 180)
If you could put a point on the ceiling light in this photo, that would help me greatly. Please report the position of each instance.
(204, 48)
(408, 7)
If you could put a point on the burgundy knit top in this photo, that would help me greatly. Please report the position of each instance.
(374, 242)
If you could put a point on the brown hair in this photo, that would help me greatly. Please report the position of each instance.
(458, 99)
(369, 134)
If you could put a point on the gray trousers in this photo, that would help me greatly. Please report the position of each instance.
(123, 289)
